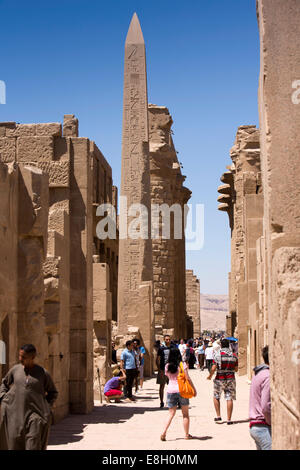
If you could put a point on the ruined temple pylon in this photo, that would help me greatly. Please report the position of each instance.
(135, 293)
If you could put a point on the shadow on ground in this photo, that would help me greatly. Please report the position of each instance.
(71, 428)
(195, 438)
(234, 422)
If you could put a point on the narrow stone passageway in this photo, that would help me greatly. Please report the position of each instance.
(138, 425)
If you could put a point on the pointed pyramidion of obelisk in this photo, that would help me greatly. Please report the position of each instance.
(135, 272)
(135, 35)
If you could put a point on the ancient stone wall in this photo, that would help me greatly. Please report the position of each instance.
(47, 185)
(279, 114)
(81, 269)
(105, 268)
(193, 302)
(102, 305)
(9, 176)
(24, 213)
(168, 251)
(241, 197)
(105, 193)
(41, 296)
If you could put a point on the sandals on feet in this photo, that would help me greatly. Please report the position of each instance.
(229, 422)
(218, 419)
(163, 437)
(189, 436)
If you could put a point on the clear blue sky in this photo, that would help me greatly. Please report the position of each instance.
(66, 56)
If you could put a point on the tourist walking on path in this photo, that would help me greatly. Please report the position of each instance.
(201, 355)
(173, 396)
(128, 364)
(27, 394)
(113, 353)
(136, 351)
(161, 361)
(196, 351)
(186, 354)
(209, 355)
(140, 352)
(192, 358)
(182, 346)
(260, 404)
(216, 346)
(226, 364)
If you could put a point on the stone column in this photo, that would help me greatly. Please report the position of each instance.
(102, 306)
(135, 296)
(81, 269)
(9, 175)
(279, 114)
(193, 301)
(168, 196)
(241, 197)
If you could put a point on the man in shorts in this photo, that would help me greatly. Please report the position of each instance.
(225, 362)
(161, 361)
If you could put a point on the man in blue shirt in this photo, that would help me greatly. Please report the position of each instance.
(128, 364)
(139, 351)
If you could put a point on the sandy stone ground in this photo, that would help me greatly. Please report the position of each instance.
(138, 425)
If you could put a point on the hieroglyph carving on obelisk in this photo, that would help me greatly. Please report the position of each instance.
(135, 305)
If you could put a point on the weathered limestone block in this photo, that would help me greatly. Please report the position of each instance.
(31, 284)
(33, 202)
(34, 194)
(56, 220)
(52, 314)
(21, 130)
(35, 149)
(193, 301)
(51, 128)
(51, 289)
(51, 279)
(285, 346)
(279, 114)
(167, 189)
(59, 173)
(9, 175)
(7, 149)
(81, 275)
(51, 267)
(101, 294)
(70, 126)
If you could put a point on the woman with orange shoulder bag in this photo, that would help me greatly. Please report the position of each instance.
(180, 389)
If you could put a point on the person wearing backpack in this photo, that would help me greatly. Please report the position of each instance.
(174, 370)
(192, 358)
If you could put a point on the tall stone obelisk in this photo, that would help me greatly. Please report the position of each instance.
(135, 296)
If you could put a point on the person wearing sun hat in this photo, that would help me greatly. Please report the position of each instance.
(209, 351)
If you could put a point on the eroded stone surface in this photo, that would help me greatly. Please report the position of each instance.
(135, 291)
(193, 302)
(168, 252)
(279, 121)
(242, 199)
